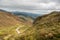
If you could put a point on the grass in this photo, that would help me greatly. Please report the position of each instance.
(29, 33)
(10, 32)
(45, 28)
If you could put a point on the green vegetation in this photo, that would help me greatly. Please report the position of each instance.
(46, 27)
(11, 33)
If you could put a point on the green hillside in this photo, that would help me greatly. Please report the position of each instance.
(48, 26)
(12, 26)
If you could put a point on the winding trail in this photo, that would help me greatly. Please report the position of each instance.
(17, 30)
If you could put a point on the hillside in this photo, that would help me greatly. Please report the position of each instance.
(48, 26)
(26, 14)
(12, 26)
(7, 19)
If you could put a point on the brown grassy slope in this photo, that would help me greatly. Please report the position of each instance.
(7, 19)
(48, 26)
(53, 17)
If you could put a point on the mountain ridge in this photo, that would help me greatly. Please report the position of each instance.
(48, 26)
(27, 14)
(6, 18)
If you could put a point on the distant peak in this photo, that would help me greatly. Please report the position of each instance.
(1, 10)
(54, 12)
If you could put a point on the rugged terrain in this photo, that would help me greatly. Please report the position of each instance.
(12, 25)
(46, 27)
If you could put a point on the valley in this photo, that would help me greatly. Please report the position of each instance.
(21, 27)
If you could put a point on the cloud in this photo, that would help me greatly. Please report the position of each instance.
(30, 5)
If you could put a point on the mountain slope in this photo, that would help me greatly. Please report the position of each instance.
(12, 26)
(48, 26)
(27, 14)
(7, 19)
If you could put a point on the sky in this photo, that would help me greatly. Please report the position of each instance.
(34, 6)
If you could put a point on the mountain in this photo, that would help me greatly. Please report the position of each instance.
(12, 26)
(48, 26)
(21, 27)
(2, 10)
(7, 19)
(26, 14)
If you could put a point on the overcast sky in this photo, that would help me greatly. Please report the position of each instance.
(34, 6)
